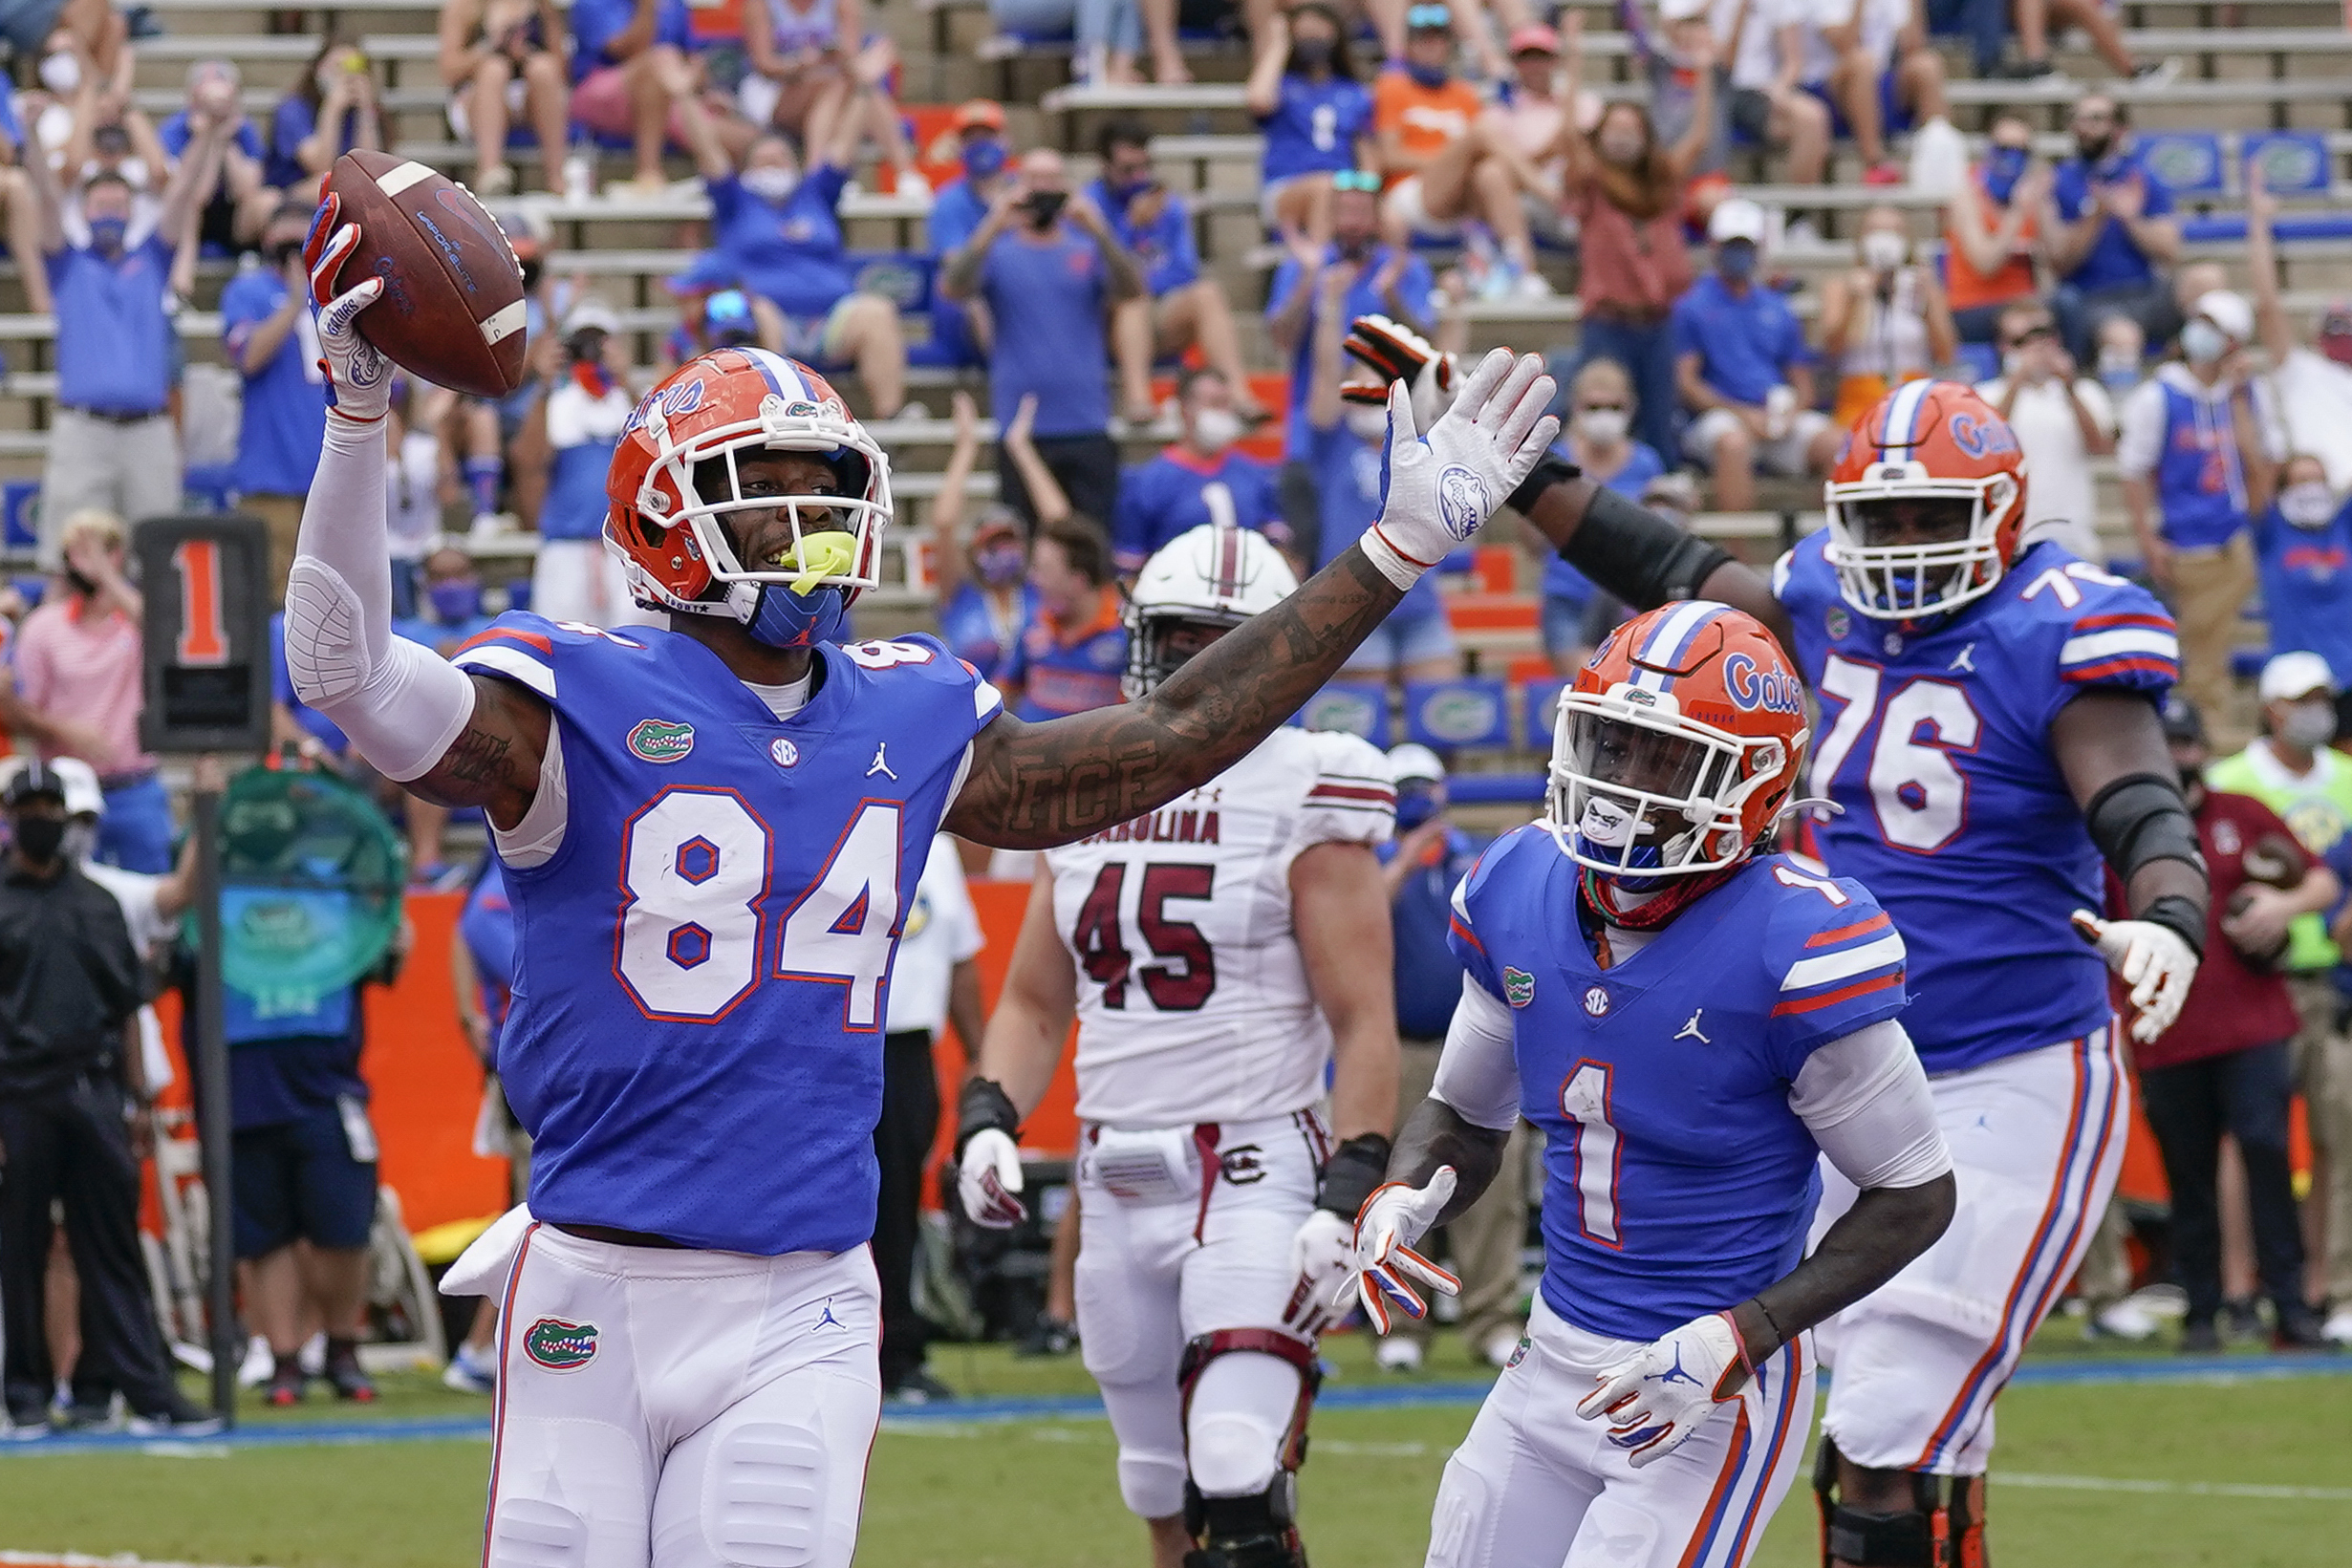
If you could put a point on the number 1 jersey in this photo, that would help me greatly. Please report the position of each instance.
(707, 900)
(1193, 1000)
(1934, 739)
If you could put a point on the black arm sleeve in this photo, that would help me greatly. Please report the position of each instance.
(983, 1104)
(1356, 1168)
(1633, 553)
(2140, 819)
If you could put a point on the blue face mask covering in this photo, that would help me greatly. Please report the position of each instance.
(455, 602)
(2003, 168)
(1735, 260)
(1413, 807)
(106, 234)
(1430, 76)
(786, 619)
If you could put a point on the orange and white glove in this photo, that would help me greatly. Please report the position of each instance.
(1660, 1394)
(359, 376)
(1396, 353)
(1387, 1272)
(1438, 488)
(2150, 959)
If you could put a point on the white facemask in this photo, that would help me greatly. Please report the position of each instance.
(2309, 726)
(81, 841)
(1214, 429)
(1369, 424)
(1883, 251)
(2310, 505)
(2202, 342)
(770, 184)
(1603, 426)
(60, 72)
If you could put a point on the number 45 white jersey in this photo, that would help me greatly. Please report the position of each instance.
(1193, 1002)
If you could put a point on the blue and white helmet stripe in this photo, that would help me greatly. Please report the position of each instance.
(1668, 641)
(1902, 431)
(781, 378)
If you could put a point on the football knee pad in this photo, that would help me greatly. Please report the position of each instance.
(534, 1532)
(1251, 1532)
(767, 1481)
(1943, 1528)
(1232, 1454)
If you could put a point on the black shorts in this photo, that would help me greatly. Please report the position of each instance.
(1751, 113)
(297, 1181)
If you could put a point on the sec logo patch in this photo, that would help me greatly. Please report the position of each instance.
(1596, 1001)
(781, 752)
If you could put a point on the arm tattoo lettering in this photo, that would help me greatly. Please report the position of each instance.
(476, 756)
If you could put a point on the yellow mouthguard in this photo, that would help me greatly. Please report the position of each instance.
(819, 556)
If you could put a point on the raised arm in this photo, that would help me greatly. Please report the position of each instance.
(1328, 364)
(196, 172)
(959, 275)
(1684, 156)
(1034, 785)
(1262, 93)
(48, 201)
(1047, 497)
(947, 507)
(1124, 272)
(2270, 311)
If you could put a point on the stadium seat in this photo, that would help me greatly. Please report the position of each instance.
(1355, 708)
(1451, 714)
(2188, 162)
(20, 512)
(2293, 162)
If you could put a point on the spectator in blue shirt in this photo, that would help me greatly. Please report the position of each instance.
(960, 334)
(1384, 281)
(776, 230)
(2304, 546)
(630, 77)
(273, 341)
(1072, 655)
(986, 600)
(1346, 456)
(112, 447)
(237, 200)
(1740, 365)
(574, 577)
(1315, 114)
(1196, 480)
(1183, 308)
(332, 110)
(2111, 232)
(1050, 271)
(1598, 440)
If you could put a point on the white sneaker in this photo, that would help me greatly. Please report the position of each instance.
(2337, 1329)
(1398, 1355)
(2126, 1320)
(1531, 285)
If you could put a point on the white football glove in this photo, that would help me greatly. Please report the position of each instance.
(1322, 1253)
(1385, 1268)
(1396, 353)
(988, 1180)
(359, 376)
(1438, 489)
(1660, 1394)
(2152, 959)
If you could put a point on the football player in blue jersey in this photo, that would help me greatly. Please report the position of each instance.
(1992, 737)
(710, 832)
(1696, 1027)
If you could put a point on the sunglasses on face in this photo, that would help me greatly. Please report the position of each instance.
(1363, 180)
(1600, 408)
(2031, 335)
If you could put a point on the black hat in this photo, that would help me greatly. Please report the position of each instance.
(34, 778)
(2182, 721)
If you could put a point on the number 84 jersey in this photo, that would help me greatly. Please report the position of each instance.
(707, 900)
(1934, 739)
(1193, 1000)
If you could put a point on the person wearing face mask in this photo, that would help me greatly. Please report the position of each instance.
(960, 334)
(2198, 455)
(2293, 770)
(986, 600)
(2226, 1067)
(268, 327)
(1740, 365)
(2313, 379)
(1598, 438)
(2062, 420)
(2110, 231)
(1185, 308)
(75, 1122)
(1990, 230)
(1884, 322)
(1315, 115)
(2303, 551)
(1051, 271)
(1416, 642)
(776, 230)
(1419, 108)
(1198, 478)
(112, 445)
(574, 577)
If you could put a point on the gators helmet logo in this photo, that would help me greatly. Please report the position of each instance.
(560, 1346)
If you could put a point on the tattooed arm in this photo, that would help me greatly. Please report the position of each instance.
(1032, 786)
(495, 761)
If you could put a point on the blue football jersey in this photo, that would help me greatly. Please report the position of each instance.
(1677, 1179)
(1934, 738)
(701, 969)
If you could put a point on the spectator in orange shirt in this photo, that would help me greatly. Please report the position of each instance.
(1419, 111)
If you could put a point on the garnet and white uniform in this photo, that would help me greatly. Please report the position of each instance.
(1200, 1066)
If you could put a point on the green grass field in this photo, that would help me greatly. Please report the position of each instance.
(2248, 1472)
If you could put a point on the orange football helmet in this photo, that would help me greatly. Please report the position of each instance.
(1925, 503)
(1677, 745)
(730, 400)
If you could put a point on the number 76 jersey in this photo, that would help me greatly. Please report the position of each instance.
(707, 901)
(1934, 739)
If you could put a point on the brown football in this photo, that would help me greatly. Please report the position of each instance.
(452, 310)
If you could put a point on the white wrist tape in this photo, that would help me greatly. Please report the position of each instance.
(1397, 568)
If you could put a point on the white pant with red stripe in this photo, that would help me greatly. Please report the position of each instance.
(2037, 1141)
(1154, 1274)
(685, 1408)
(1535, 1485)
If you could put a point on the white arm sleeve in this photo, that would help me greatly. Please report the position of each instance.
(403, 705)
(1477, 1073)
(1864, 1099)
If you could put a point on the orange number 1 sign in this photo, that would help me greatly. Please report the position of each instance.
(204, 630)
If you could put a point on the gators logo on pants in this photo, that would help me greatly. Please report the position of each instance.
(560, 1346)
